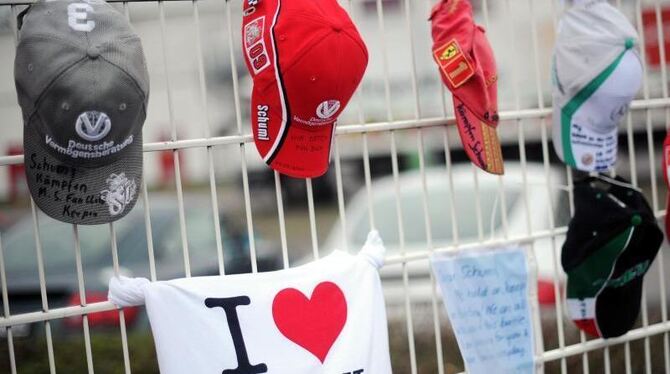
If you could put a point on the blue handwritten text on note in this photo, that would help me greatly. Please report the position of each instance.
(486, 296)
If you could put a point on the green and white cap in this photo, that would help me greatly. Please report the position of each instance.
(611, 242)
(596, 74)
(83, 87)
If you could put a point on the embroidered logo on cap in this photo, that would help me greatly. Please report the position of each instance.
(255, 46)
(78, 17)
(93, 125)
(119, 193)
(453, 63)
(327, 109)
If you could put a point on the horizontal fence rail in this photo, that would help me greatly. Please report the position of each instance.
(401, 118)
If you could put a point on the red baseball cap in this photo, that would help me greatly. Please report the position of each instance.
(306, 59)
(666, 177)
(468, 68)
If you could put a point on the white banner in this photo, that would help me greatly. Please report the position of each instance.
(324, 317)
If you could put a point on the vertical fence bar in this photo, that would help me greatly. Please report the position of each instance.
(147, 230)
(122, 316)
(382, 43)
(645, 87)
(368, 182)
(429, 240)
(208, 133)
(82, 298)
(173, 137)
(38, 242)
(401, 239)
(312, 218)
(539, 339)
(661, 263)
(243, 158)
(340, 194)
(5, 310)
(558, 304)
(424, 189)
(281, 217)
(5, 296)
(43, 287)
(358, 98)
(448, 168)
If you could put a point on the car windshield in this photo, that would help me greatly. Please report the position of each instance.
(57, 242)
(439, 209)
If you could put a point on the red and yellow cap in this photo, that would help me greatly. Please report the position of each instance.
(468, 68)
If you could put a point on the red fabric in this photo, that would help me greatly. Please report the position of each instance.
(468, 68)
(588, 326)
(666, 177)
(305, 68)
(314, 323)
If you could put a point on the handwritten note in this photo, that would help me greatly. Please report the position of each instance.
(486, 296)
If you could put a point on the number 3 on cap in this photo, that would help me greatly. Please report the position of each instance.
(77, 17)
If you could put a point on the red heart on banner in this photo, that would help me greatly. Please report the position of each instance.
(313, 323)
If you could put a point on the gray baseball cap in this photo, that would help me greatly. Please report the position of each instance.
(83, 87)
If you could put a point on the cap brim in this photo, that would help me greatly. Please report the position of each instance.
(618, 305)
(617, 308)
(294, 149)
(479, 139)
(305, 153)
(588, 277)
(82, 195)
(617, 302)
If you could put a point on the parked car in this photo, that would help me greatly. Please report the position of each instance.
(440, 198)
(58, 248)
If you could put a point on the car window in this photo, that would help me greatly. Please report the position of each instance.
(200, 235)
(562, 210)
(58, 243)
(440, 215)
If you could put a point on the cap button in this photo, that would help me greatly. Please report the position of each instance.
(630, 43)
(93, 52)
(636, 220)
(336, 27)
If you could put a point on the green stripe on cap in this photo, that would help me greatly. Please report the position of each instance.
(587, 279)
(573, 105)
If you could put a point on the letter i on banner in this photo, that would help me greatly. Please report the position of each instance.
(229, 306)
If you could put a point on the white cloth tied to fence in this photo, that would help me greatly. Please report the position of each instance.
(327, 316)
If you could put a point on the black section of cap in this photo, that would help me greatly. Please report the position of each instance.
(618, 305)
(598, 219)
(617, 309)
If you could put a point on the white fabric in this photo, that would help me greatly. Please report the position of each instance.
(581, 309)
(592, 36)
(285, 325)
(124, 291)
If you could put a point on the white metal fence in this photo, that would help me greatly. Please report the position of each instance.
(401, 113)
